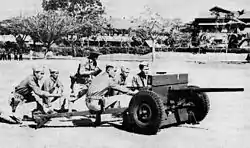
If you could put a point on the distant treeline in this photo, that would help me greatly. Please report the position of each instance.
(80, 52)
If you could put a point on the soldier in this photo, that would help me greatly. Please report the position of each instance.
(29, 91)
(121, 78)
(140, 80)
(20, 58)
(54, 86)
(15, 56)
(85, 72)
(4, 55)
(9, 56)
(100, 85)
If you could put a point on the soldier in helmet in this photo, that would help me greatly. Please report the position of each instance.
(85, 73)
(29, 91)
(53, 85)
(96, 95)
(121, 79)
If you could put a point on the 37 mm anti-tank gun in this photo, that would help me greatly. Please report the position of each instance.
(167, 100)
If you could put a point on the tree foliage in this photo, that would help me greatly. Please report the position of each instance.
(81, 9)
(150, 25)
(48, 27)
(88, 13)
(15, 26)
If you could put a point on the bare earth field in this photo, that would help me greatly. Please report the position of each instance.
(227, 124)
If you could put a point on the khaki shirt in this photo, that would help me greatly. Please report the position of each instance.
(28, 85)
(120, 79)
(50, 85)
(82, 78)
(101, 85)
(139, 81)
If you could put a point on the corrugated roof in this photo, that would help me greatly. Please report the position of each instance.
(220, 9)
(207, 14)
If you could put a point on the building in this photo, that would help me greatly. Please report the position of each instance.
(221, 20)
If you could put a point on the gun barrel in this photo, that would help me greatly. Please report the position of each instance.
(208, 89)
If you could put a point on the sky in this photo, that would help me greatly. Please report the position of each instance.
(187, 10)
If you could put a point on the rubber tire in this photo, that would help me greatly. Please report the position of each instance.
(201, 102)
(156, 105)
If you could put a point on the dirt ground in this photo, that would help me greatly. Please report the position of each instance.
(227, 124)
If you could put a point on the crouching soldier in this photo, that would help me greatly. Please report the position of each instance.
(140, 80)
(85, 73)
(121, 79)
(53, 85)
(96, 99)
(29, 91)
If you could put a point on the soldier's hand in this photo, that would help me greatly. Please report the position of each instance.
(136, 91)
(133, 92)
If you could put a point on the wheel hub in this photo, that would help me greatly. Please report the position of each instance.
(144, 113)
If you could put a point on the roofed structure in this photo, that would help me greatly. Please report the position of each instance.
(218, 17)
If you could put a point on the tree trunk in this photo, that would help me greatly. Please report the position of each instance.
(74, 50)
(47, 50)
(88, 41)
(153, 50)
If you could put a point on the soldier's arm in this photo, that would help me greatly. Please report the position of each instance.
(60, 86)
(134, 82)
(85, 72)
(114, 85)
(32, 84)
(38, 91)
(45, 86)
(96, 71)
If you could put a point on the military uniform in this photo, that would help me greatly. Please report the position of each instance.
(98, 89)
(84, 75)
(140, 80)
(54, 86)
(27, 96)
(27, 91)
(122, 77)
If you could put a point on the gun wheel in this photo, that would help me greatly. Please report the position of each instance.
(201, 104)
(146, 111)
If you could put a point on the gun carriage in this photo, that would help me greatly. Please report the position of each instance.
(168, 100)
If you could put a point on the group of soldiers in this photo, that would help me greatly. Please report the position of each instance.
(8, 56)
(100, 88)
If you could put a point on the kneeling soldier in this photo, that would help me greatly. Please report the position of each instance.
(29, 91)
(96, 100)
(53, 85)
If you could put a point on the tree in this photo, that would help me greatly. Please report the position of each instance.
(150, 26)
(88, 13)
(177, 23)
(15, 26)
(81, 9)
(48, 27)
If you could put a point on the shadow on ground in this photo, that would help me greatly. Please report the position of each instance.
(77, 123)
(87, 122)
